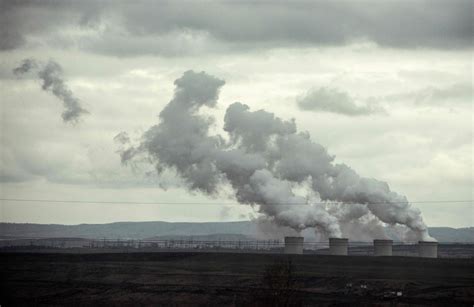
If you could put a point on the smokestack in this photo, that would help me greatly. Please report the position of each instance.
(383, 247)
(428, 249)
(338, 246)
(294, 245)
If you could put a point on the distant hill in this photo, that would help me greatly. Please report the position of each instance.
(127, 230)
(145, 230)
(208, 237)
(447, 234)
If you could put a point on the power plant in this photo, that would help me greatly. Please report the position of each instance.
(260, 140)
(291, 245)
(294, 245)
(338, 246)
(383, 247)
(428, 249)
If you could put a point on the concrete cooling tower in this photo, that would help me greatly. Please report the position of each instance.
(428, 249)
(383, 247)
(338, 246)
(294, 245)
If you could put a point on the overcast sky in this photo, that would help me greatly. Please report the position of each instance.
(385, 86)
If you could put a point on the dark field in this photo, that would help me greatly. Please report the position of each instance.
(228, 279)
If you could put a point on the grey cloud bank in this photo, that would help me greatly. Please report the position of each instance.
(262, 160)
(20, 21)
(164, 27)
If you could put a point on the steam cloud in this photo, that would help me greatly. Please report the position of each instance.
(264, 158)
(51, 74)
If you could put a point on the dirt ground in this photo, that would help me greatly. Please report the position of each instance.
(227, 279)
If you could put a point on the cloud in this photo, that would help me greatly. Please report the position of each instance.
(51, 74)
(122, 138)
(381, 147)
(456, 94)
(26, 66)
(10, 38)
(234, 25)
(118, 43)
(21, 22)
(425, 23)
(262, 161)
(335, 101)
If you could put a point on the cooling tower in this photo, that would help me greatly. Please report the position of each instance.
(338, 246)
(428, 249)
(383, 247)
(294, 245)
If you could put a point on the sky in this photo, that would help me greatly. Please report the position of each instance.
(384, 86)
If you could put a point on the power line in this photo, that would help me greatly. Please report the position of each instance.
(219, 203)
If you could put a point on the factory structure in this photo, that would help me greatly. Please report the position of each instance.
(291, 245)
(381, 247)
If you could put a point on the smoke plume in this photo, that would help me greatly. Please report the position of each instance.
(51, 74)
(263, 158)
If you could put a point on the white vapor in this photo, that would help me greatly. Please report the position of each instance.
(263, 159)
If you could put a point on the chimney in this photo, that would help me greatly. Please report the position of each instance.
(338, 246)
(294, 245)
(383, 247)
(428, 249)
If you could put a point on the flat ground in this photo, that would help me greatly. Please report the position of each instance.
(227, 279)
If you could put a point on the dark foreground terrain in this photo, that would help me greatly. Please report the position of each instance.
(227, 279)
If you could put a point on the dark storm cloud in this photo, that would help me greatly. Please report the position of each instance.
(244, 24)
(335, 101)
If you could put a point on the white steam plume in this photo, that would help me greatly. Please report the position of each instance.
(51, 74)
(263, 160)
